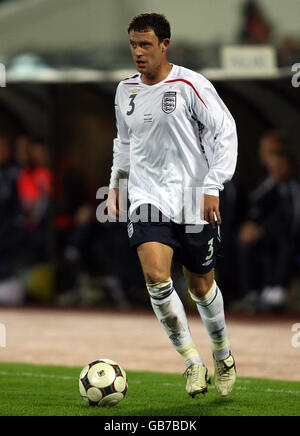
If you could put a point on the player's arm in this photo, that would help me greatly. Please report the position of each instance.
(212, 112)
(121, 163)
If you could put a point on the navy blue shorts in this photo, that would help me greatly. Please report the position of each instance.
(196, 251)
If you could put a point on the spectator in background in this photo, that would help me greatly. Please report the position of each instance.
(288, 51)
(35, 182)
(69, 195)
(9, 206)
(93, 259)
(34, 189)
(255, 28)
(271, 142)
(266, 240)
(11, 289)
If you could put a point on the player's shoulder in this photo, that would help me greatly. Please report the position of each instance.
(132, 80)
(192, 77)
(194, 83)
(124, 84)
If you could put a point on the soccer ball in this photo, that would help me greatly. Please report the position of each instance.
(103, 383)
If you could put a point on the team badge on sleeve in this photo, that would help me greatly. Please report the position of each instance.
(169, 102)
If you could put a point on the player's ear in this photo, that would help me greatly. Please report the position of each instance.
(165, 44)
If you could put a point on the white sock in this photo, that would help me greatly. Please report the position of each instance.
(211, 310)
(170, 312)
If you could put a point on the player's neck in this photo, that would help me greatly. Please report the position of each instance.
(158, 75)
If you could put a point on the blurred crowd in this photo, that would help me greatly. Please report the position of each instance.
(254, 27)
(53, 249)
(257, 29)
(266, 252)
(25, 192)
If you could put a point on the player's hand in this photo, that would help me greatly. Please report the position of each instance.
(113, 204)
(211, 210)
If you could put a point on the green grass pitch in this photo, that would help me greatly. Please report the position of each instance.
(27, 390)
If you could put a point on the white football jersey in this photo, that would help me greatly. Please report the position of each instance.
(175, 138)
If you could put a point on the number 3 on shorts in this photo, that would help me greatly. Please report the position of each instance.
(210, 249)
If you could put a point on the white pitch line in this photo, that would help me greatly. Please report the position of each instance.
(29, 374)
(62, 377)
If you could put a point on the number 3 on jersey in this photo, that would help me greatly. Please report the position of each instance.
(210, 249)
(131, 104)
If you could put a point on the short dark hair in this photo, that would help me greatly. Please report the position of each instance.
(157, 22)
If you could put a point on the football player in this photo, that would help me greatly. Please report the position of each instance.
(177, 144)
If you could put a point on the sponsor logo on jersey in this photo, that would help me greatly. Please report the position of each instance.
(134, 90)
(169, 102)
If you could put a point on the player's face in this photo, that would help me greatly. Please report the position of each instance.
(148, 53)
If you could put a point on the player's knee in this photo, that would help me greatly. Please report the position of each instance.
(160, 290)
(201, 288)
(155, 276)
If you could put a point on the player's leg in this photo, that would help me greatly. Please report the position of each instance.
(156, 261)
(209, 300)
(208, 297)
(198, 254)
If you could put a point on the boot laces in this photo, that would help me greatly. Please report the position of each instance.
(222, 370)
(193, 372)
